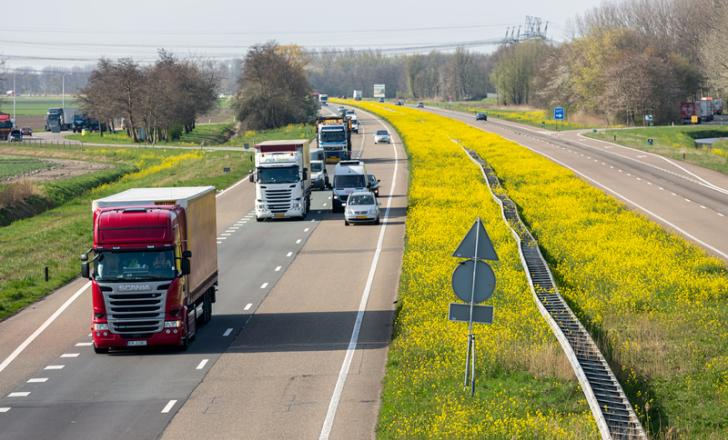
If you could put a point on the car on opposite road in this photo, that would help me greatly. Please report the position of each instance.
(420, 105)
(480, 116)
(27, 131)
(319, 175)
(374, 184)
(362, 207)
(382, 137)
(399, 102)
(15, 135)
(381, 99)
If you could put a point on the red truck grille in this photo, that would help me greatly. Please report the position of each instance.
(133, 312)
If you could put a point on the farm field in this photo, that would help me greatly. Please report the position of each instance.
(203, 134)
(675, 141)
(655, 303)
(12, 166)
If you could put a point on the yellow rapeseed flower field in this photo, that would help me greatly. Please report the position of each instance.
(656, 304)
(525, 386)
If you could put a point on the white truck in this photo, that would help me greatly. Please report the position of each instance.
(349, 176)
(323, 99)
(357, 95)
(282, 180)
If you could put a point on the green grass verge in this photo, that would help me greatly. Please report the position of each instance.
(56, 237)
(203, 134)
(675, 142)
(36, 105)
(533, 117)
(292, 131)
(17, 166)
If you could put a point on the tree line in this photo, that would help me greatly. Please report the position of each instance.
(626, 60)
(459, 75)
(157, 102)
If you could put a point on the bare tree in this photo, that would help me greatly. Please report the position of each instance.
(274, 90)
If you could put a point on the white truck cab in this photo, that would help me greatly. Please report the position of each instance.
(349, 176)
(282, 179)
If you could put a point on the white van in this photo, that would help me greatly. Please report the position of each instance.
(349, 176)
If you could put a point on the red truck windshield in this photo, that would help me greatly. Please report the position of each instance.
(135, 265)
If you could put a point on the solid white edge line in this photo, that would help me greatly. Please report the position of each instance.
(346, 364)
(8, 360)
(227, 333)
(42, 327)
(168, 406)
(202, 364)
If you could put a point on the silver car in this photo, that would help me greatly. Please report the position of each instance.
(361, 207)
(382, 137)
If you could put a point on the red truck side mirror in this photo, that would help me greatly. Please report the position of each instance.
(85, 272)
(185, 266)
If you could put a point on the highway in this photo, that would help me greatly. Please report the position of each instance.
(296, 347)
(684, 198)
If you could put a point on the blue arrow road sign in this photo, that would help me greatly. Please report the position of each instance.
(559, 113)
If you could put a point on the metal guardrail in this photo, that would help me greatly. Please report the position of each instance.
(612, 410)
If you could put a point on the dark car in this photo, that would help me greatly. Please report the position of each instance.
(399, 102)
(381, 99)
(15, 135)
(481, 117)
(374, 184)
(420, 105)
(27, 131)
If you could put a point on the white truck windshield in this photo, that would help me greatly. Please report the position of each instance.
(333, 136)
(278, 175)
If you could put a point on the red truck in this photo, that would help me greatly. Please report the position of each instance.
(153, 266)
(6, 125)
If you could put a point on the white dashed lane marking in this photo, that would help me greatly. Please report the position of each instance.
(54, 367)
(227, 333)
(84, 344)
(19, 394)
(289, 254)
(4, 409)
(70, 355)
(248, 306)
(278, 268)
(264, 285)
(38, 380)
(202, 364)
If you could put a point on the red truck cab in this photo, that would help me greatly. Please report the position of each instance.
(153, 267)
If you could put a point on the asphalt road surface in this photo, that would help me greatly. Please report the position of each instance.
(685, 198)
(296, 347)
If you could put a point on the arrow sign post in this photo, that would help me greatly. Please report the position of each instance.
(473, 281)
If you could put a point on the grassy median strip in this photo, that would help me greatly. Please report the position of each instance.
(525, 387)
(675, 142)
(656, 303)
(55, 238)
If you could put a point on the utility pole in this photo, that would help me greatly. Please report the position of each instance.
(63, 92)
(14, 94)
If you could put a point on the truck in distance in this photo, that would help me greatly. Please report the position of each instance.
(153, 266)
(59, 119)
(349, 176)
(333, 135)
(323, 99)
(6, 125)
(282, 179)
(357, 95)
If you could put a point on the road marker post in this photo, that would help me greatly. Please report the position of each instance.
(473, 281)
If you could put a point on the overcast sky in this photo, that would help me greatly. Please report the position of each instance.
(76, 32)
